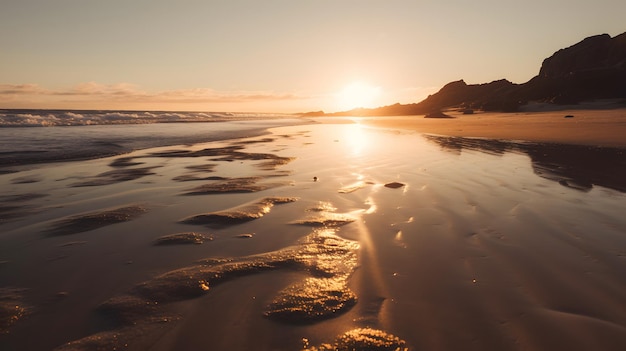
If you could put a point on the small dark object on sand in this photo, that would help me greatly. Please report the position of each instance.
(569, 116)
(315, 179)
(394, 185)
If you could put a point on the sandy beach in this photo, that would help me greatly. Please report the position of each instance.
(587, 126)
(482, 232)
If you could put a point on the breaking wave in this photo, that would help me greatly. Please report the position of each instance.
(49, 118)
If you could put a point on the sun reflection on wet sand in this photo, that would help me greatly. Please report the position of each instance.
(357, 140)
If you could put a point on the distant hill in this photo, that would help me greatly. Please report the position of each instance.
(594, 68)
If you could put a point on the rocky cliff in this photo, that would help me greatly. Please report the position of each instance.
(594, 68)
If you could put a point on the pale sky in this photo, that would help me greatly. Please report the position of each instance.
(276, 55)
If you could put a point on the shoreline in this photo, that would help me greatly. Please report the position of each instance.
(68, 144)
(603, 128)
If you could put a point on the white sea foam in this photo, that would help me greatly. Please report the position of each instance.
(48, 118)
(110, 133)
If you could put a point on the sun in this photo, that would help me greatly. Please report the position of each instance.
(358, 94)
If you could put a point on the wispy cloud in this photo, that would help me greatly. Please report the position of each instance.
(96, 89)
(210, 95)
(93, 95)
(126, 93)
(20, 89)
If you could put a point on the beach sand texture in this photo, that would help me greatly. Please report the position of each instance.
(584, 126)
(292, 241)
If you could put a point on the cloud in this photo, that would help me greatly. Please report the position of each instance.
(96, 89)
(212, 96)
(125, 92)
(20, 89)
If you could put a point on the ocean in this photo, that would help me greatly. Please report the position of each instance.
(40, 136)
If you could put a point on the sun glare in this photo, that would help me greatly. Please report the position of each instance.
(357, 139)
(358, 94)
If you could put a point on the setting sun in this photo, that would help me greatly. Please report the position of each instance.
(358, 94)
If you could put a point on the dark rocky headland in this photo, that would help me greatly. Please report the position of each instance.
(592, 69)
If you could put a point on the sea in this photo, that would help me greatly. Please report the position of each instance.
(41, 136)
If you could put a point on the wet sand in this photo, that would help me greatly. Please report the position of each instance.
(321, 237)
(596, 127)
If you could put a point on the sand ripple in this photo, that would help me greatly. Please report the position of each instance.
(350, 188)
(115, 176)
(239, 214)
(181, 238)
(95, 220)
(326, 219)
(333, 260)
(235, 185)
(364, 339)
(311, 300)
(322, 253)
(229, 154)
(12, 207)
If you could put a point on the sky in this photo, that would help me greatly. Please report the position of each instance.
(283, 56)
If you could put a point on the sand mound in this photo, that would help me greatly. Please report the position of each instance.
(363, 339)
(312, 300)
(239, 214)
(115, 176)
(322, 253)
(181, 238)
(95, 220)
(326, 220)
(235, 185)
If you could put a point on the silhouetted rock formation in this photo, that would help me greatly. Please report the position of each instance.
(594, 68)
(496, 95)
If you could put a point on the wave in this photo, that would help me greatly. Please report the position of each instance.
(50, 118)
